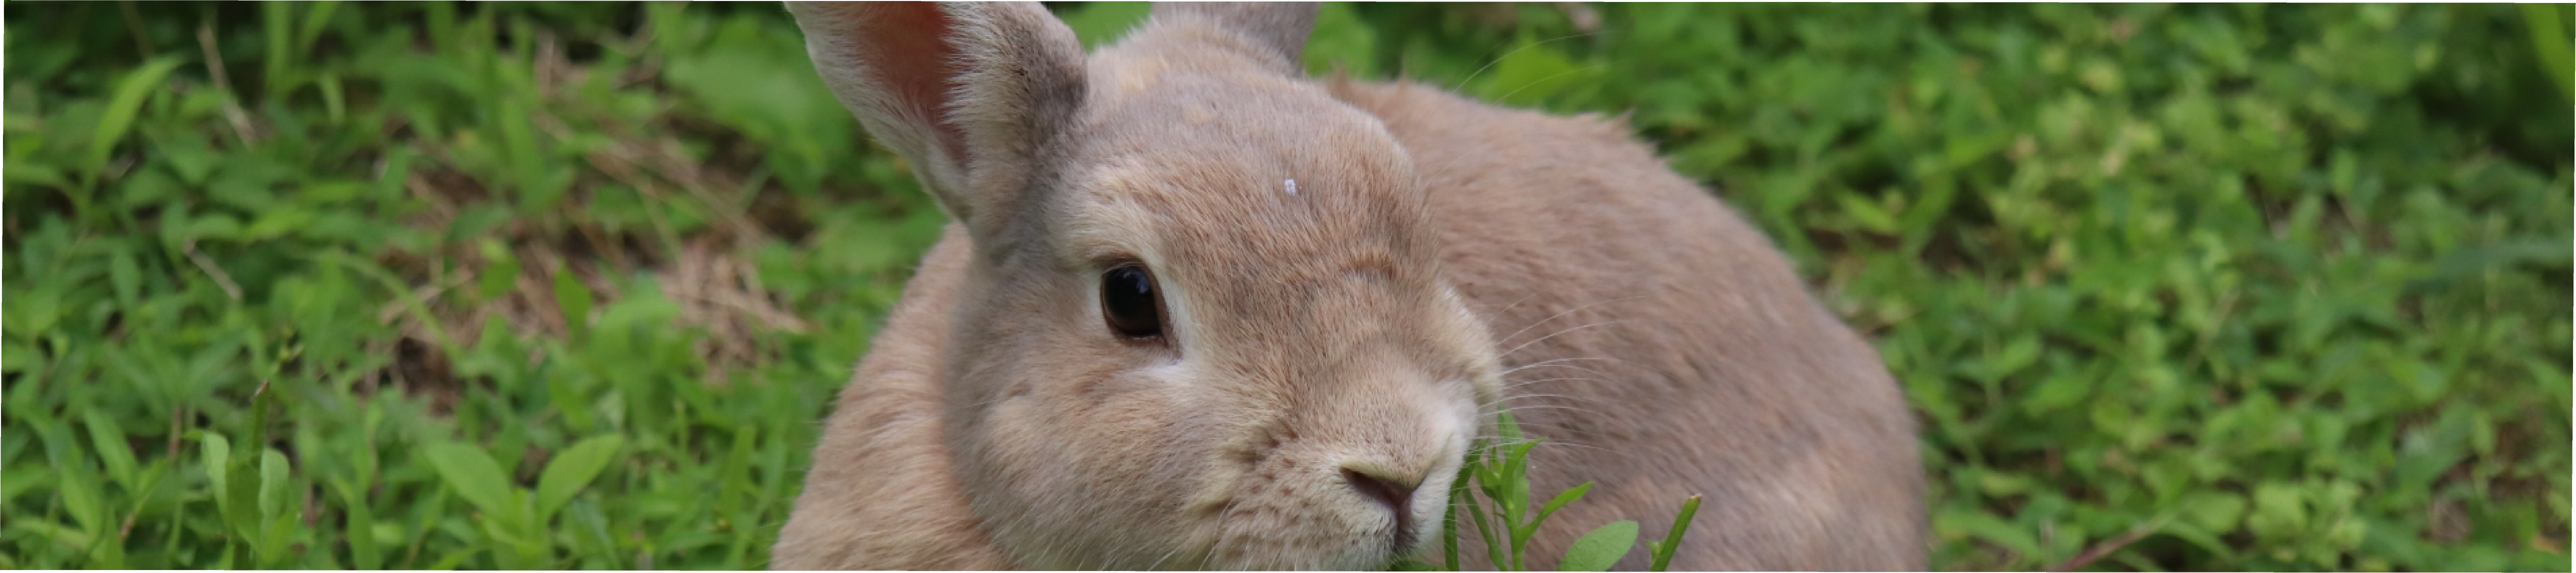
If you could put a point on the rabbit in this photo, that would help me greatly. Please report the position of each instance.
(1194, 310)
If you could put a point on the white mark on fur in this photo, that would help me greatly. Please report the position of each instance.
(1292, 186)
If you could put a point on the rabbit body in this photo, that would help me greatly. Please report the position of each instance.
(1352, 277)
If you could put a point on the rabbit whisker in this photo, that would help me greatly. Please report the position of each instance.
(1501, 403)
(1499, 59)
(1526, 329)
(1538, 396)
(1579, 410)
(1558, 379)
(1515, 304)
(1568, 367)
(1218, 548)
(1559, 333)
(1547, 443)
(1157, 565)
(1508, 95)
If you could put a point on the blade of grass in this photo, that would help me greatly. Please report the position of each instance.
(2549, 40)
(1663, 548)
(277, 24)
(113, 124)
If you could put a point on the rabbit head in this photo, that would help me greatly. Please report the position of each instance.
(1204, 323)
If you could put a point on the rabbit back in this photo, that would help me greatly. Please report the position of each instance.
(1661, 345)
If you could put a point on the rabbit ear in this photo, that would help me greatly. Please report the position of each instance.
(1277, 29)
(964, 91)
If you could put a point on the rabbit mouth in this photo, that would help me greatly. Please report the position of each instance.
(1398, 532)
(1396, 497)
(1419, 523)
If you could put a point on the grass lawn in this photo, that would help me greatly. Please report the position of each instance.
(569, 285)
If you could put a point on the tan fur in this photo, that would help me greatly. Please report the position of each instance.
(1438, 260)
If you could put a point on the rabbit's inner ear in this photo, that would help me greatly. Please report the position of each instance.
(963, 91)
(891, 65)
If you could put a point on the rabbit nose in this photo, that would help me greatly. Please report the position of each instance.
(1395, 492)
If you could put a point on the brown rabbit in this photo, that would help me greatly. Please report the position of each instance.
(1197, 311)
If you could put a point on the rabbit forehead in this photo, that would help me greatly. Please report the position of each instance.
(1282, 175)
(1221, 216)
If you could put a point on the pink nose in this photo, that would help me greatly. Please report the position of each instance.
(1396, 493)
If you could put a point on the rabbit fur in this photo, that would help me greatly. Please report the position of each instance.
(1352, 278)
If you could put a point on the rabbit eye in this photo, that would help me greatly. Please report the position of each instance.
(1128, 301)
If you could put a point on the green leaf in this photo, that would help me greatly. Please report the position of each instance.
(2549, 40)
(363, 550)
(30, 314)
(313, 23)
(1601, 548)
(111, 447)
(21, 480)
(334, 105)
(2215, 511)
(18, 358)
(216, 226)
(2280, 512)
(573, 299)
(278, 27)
(277, 223)
(241, 500)
(121, 107)
(1459, 494)
(1871, 216)
(2460, 264)
(125, 276)
(1521, 535)
(1342, 40)
(2057, 391)
(1494, 549)
(272, 484)
(276, 515)
(1530, 73)
(217, 455)
(1515, 486)
(472, 474)
(29, 173)
(65, 536)
(501, 273)
(82, 498)
(571, 470)
(2015, 355)
(1992, 529)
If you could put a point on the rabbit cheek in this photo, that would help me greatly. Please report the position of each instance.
(1069, 479)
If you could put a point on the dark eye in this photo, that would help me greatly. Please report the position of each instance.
(1129, 302)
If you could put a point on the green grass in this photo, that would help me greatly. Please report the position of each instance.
(1492, 500)
(528, 285)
